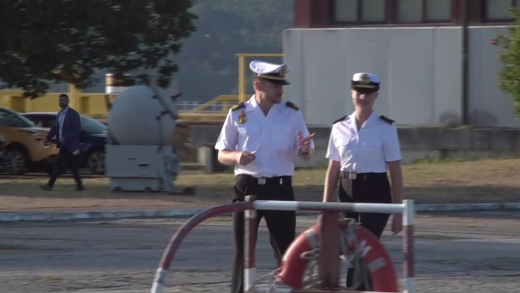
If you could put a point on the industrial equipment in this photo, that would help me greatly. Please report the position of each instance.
(139, 155)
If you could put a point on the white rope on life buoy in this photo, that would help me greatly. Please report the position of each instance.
(358, 247)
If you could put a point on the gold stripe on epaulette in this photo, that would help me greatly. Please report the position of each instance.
(238, 106)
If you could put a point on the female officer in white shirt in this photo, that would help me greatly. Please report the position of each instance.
(361, 147)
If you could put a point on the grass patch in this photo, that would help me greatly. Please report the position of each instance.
(441, 160)
(435, 180)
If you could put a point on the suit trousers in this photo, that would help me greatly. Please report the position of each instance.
(366, 188)
(67, 157)
(281, 224)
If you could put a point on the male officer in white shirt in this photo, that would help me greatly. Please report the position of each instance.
(260, 138)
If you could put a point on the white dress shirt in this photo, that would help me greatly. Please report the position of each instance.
(366, 150)
(61, 118)
(272, 138)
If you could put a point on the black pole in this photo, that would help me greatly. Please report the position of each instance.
(465, 63)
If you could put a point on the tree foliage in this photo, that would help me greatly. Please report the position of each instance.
(67, 41)
(208, 65)
(510, 57)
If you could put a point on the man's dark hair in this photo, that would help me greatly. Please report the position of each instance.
(64, 95)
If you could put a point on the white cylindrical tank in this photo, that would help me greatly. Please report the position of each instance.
(133, 117)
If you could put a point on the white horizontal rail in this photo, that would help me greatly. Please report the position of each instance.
(383, 208)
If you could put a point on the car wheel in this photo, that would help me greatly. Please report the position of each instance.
(96, 162)
(15, 161)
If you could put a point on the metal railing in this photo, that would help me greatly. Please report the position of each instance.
(191, 106)
(251, 206)
(214, 110)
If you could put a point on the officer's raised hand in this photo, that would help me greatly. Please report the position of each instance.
(304, 142)
(244, 158)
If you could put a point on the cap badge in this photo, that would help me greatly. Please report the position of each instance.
(364, 79)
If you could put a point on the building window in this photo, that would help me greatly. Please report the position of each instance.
(373, 11)
(437, 11)
(423, 11)
(498, 10)
(345, 10)
(359, 11)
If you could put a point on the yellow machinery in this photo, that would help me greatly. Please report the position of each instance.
(90, 104)
(94, 104)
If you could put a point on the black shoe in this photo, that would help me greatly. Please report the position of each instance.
(45, 187)
(79, 188)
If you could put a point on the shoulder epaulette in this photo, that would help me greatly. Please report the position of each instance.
(292, 105)
(238, 106)
(386, 119)
(340, 119)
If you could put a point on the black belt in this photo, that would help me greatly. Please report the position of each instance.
(360, 176)
(278, 180)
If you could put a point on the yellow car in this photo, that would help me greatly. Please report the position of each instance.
(24, 149)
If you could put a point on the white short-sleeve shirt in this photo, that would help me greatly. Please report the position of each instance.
(367, 150)
(272, 138)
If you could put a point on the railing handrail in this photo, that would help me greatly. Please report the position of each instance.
(406, 208)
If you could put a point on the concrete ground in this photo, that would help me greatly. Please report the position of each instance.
(473, 252)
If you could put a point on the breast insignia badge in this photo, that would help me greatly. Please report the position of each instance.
(242, 117)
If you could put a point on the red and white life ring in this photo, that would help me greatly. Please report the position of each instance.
(374, 255)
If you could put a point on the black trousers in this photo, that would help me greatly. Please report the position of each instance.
(281, 224)
(65, 156)
(367, 188)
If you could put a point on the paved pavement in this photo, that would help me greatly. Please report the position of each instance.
(472, 252)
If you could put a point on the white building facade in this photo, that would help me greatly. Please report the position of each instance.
(414, 46)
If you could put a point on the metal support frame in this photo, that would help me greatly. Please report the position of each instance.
(329, 267)
(242, 69)
(250, 206)
(465, 63)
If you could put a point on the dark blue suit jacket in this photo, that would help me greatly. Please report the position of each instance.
(71, 130)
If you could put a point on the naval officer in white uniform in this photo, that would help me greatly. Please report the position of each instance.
(260, 137)
(362, 146)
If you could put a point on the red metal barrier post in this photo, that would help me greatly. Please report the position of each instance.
(329, 257)
(407, 209)
(409, 246)
(182, 232)
(250, 244)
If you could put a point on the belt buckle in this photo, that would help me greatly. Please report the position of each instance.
(352, 176)
(262, 181)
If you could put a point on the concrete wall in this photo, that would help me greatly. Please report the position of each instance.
(420, 70)
(416, 144)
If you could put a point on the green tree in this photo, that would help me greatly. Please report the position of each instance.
(208, 66)
(510, 57)
(58, 41)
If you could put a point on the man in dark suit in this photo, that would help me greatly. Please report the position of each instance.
(66, 130)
